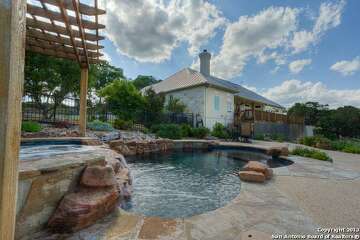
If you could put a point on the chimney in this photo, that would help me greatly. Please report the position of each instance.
(205, 62)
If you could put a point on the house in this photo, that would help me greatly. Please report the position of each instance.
(213, 99)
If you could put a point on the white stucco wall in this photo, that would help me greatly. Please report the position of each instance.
(200, 100)
(225, 114)
(193, 98)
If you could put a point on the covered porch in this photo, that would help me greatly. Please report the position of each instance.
(247, 112)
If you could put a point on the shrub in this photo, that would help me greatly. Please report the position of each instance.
(259, 137)
(220, 131)
(186, 130)
(122, 124)
(308, 141)
(100, 126)
(347, 145)
(311, 153)
(278, 137)
(31, 127)
(172, 131)
(200, 132)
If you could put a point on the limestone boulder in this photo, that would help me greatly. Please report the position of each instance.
(82, 209)
(278, 151)
(252, 176)
(98, 176)
(259, 167)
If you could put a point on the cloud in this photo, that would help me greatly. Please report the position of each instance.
(347, 68)
(106, 57)
(254, 36)
(329, 17)
(292, 91)
(298, 65)
(150, 30)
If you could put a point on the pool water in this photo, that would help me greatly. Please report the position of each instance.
(182, 184)
(38, 150)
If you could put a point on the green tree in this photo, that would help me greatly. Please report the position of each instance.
(311, 111)
(49, 80)
(123, 98)
(342, 122)
(153, 107)
(142, 81)
(175, 105)
(102, 74)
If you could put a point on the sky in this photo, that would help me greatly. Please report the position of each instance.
(289, 51)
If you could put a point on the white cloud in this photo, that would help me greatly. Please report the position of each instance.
(347, 68)
(252, 36)
(148, 31)
(292, 91)
(298, 65)
(106, 57)
(329, 17)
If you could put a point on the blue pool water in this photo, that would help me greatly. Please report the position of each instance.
(182, 184)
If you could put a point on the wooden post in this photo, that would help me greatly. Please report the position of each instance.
(12, 56)
(83, 100)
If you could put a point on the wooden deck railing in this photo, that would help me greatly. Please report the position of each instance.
(261, 116)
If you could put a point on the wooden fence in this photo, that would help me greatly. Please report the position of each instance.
(261, 116)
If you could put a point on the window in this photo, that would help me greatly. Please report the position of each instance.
(229, 107)
(216, 103)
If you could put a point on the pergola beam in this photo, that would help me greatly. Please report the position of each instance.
(58, 54)
(81, 28)
(38, 11)
(58, 47)
(62, 40)
(12, 54)
(60, 30)
(83, 8)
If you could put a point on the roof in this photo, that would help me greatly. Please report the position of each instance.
(65, 29)
(187, 78)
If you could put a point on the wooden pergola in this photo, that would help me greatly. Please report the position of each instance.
(60, 28)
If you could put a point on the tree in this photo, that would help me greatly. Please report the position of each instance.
(49, 80)
(123, 98)
(102, 74)
(175, 105)
(311, 111)
(142, 81)
(153, 107)
(342, 122)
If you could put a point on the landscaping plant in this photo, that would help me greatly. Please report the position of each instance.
(220, 131)
(310, 153)
(100, 126)
(31, 126)
(200, 132)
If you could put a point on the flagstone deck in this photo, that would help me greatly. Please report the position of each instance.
(300, 198)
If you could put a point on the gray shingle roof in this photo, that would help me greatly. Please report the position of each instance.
(189, 78)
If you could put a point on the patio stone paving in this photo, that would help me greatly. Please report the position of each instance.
(301, 197)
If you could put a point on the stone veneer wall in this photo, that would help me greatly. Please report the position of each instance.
(43, 183)
(193, 98)
(129, 148)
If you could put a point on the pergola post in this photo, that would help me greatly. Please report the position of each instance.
(12, 55)
(83, 100)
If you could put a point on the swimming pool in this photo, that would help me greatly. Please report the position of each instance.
(183, 184)
(42, 149)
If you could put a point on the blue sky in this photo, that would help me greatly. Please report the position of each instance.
(290, 51)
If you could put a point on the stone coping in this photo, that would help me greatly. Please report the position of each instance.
(36, 167)
(26, 140)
